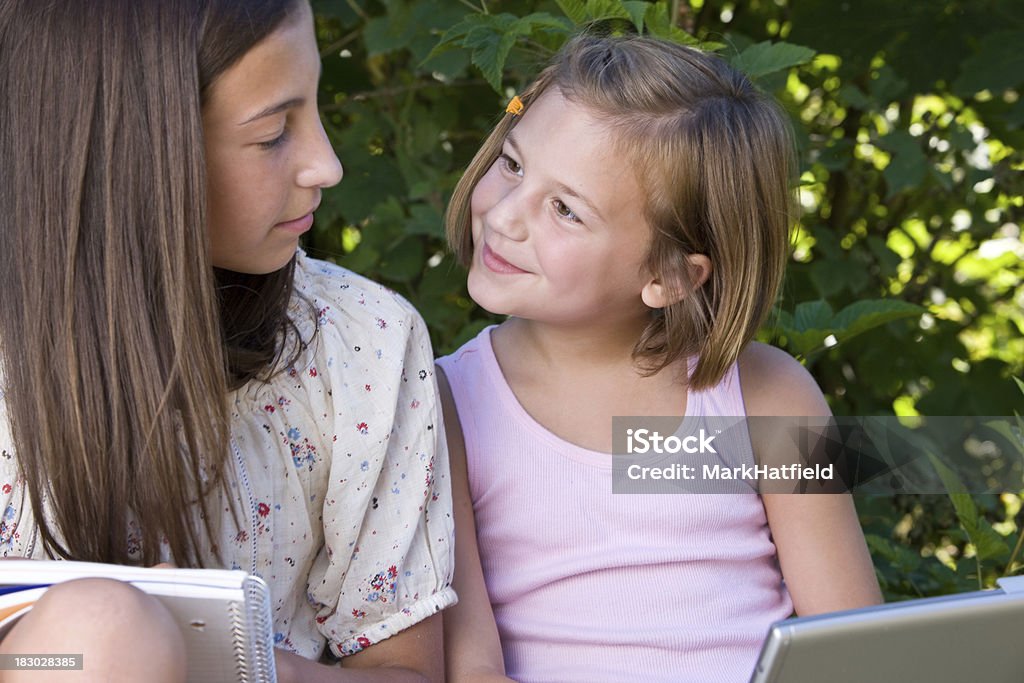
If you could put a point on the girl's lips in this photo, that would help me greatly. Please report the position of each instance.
(498, 264)
(298, 225)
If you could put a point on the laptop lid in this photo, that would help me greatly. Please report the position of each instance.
(949, 639)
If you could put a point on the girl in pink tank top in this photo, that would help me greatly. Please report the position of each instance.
(630, 214)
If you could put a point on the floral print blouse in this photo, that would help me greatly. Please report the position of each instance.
(340, 474)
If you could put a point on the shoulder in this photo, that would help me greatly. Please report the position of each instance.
(774, 383)
(470, 354)
(343, 297)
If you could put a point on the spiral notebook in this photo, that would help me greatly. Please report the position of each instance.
(224, 615)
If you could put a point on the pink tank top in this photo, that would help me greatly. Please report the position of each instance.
(589, 586)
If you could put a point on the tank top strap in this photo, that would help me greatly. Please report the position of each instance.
(723, 399)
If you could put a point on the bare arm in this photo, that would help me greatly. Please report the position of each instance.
(821, 547)
(472, 649)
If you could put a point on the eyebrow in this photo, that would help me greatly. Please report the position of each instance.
(561, 187)
(275, 109)
(282, 106)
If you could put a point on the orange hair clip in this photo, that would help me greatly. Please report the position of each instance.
(515, 106)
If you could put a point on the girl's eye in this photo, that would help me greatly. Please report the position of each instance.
(510, 165)
(565, 212)
(270, 144)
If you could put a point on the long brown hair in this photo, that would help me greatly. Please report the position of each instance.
(715, 158)
(116, 353)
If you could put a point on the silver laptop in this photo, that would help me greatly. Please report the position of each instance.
(961, 638)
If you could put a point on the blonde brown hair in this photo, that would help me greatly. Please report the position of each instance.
(715, 158)
(118, 345)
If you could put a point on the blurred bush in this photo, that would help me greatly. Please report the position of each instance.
(904, 294)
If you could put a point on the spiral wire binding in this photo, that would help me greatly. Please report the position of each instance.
(260, 628)
(240, 641)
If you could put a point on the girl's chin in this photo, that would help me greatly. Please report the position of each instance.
(483, 296)
(263, 265)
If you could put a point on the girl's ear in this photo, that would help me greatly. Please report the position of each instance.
(657, 293)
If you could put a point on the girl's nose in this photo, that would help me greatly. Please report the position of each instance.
(322, 168)
(507, 217)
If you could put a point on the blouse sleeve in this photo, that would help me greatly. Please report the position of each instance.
(387, 515)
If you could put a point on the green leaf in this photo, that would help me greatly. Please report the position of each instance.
(1015, 117)
(542, 20)
(886, 86)
(784, 319)
(832, 276)
(853, 96)
(813, 321)
(987, 543)
(425, 220)
(491, 59)
(908, 165)
(607, 9)
(576, 10)
(334, 8)
(1011, 432)
(807, 328)
(659, 24)
(836, 155)
(386, 33)
(449, 63)
(404, 261)
(456, 35)
(368, 181)
(888, 260)
(904, 559)
(812, 315)
(765, 58)
(637, 11)
(490, 37)
(863, 315)
(997, 66)
(363, 259)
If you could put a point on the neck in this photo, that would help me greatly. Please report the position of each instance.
(560, 346)
(574, 381)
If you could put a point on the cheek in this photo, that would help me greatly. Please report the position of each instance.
(561, 257)
(487, 191)
(226, 184)
(248, 190)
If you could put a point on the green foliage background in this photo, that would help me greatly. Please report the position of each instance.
(904, 295)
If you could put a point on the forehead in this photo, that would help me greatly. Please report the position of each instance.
(556, 123)
(285, 64)
(567, 143)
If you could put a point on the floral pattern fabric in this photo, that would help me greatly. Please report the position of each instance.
(340, 474)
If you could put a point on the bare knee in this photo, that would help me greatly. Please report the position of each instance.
(120, 631)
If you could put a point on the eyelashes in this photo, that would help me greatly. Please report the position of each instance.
(270, 144)
(563, 210)
(510, 165)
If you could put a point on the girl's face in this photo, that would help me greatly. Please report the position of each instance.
(559, 233)
(267, 156)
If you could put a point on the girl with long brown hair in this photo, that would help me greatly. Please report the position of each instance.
(180, 383)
